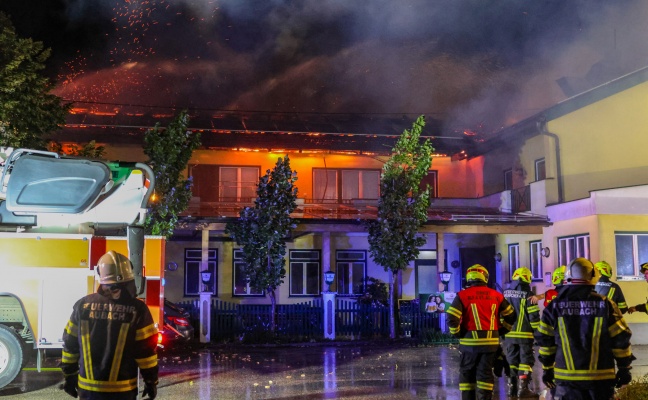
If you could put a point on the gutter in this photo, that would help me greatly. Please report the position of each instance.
(541, 125)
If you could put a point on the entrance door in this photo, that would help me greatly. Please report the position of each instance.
(483, 256)
(427, 276)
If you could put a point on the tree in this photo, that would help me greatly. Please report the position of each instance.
(402, 209)
(27, 108)
(262, 230)
(169, 150)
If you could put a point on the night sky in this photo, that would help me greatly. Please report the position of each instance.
(475, 64)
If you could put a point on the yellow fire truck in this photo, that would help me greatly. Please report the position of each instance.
(58, 215)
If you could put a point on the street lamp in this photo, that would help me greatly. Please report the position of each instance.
(446, 276)
(329, 278)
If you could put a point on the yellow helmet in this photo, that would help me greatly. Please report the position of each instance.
(523, 274)
(604, 268)
(580, 271)
(477, 273)
(558, 275)
(114, 268)
(644, 267)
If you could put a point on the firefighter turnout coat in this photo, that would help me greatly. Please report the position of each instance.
(581, 334)
(477, 316)
(106, 340)
(612, 291)
(528, 315)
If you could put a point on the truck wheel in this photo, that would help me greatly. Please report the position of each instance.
(11, 355)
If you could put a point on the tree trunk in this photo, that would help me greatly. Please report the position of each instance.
(273, 313)
(392, 306)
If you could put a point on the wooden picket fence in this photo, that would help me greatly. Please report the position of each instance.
(231, 321)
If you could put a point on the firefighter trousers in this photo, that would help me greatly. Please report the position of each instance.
(476, 378)
(588, 390)
(520, 357)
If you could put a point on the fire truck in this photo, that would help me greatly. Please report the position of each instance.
(58, 216)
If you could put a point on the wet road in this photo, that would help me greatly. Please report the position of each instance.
(297, 372)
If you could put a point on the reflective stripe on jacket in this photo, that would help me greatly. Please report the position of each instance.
(477, 316)
(581, 334)
(528, 315)
(611, 290)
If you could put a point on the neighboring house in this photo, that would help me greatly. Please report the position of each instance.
(569, 181)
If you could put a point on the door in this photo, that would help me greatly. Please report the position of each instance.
(482, 255)
(427, 276)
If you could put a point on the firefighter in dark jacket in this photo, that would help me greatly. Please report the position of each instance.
(109, 336)
(477, 316)
(607, 288)
(581, 335)
(519, 341)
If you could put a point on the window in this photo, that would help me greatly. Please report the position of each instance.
(631, 252)
(360, 184)
(431, 180)
(238, 183)
(240, 280)
(351, 271)
(535, 260)
(304, 272)
(193, 284)
(508, 179)
(513, 259)
(540, 171)
(571, 247)
(324, 185)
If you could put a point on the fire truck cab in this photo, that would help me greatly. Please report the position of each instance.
(58, 216)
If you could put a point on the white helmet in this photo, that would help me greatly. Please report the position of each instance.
(114, 268)
(580, 271)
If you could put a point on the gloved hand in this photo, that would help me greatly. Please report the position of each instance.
(71, 384)
(150, 389)
(623, 377)
(548, 378)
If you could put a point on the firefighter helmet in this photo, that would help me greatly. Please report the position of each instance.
(558, 275)
(477, 273)
(580, 271)
(644, 268)
(523, 274)
(604, 268)
(114, 268)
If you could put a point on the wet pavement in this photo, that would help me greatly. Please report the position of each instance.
(312, 371)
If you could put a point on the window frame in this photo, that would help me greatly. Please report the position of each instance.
(538, 177)
(239, 198)
(513, 258)
(248, 288)
(362, 260)
(564, 259)
(636, 261)
(293, 262)
(192, 261)
(508, 179)
(535, 249)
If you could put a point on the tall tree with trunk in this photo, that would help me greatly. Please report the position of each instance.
(402, 209)
(28, 110)
(169, 150)
(262, 230)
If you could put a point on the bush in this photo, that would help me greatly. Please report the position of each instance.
(428, 337)
(637, 389)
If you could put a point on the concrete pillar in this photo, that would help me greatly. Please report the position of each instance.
(328, 299)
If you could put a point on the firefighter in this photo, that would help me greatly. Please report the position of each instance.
(581, 334)
(641, 307)
(109, 336)
(519, 341)
(477, 316)
(557, 278)
(605, 287)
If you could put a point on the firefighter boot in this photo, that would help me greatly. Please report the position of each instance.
(523, 391)
(512, 386)
(483, 394)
